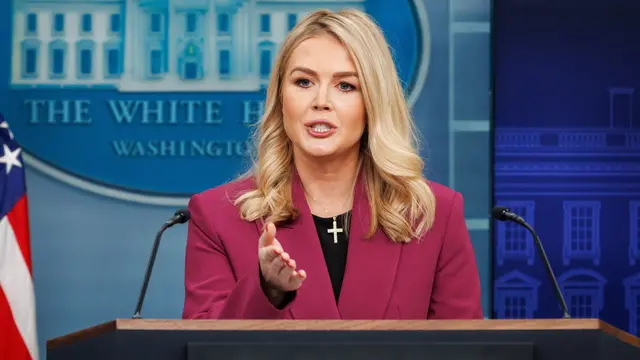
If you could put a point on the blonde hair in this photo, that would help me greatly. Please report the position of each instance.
(401, 202)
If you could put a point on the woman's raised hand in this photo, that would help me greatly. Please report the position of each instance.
(277, 267)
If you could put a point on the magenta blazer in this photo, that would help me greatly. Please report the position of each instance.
(435, 278)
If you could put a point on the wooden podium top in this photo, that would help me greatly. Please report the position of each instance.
(344, 325)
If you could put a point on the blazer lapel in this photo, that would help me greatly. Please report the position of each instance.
(372, 265)
(299, 238)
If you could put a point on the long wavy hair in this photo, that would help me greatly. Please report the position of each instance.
(402, 204)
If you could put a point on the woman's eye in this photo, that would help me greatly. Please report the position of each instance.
(346, 86)
(303, 82)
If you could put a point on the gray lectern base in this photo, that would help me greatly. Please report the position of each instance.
(361, 340)
(383, 350)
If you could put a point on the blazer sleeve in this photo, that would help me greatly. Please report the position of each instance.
(456, 291)
(212, 290)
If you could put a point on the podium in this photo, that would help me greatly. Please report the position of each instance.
(559, 339)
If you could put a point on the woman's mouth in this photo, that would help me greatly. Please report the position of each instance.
(320, 128)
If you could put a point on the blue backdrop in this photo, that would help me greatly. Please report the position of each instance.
(123, 113)
(567, 157)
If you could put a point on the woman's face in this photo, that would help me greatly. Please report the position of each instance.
(323, 107)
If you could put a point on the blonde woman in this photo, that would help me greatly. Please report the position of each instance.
(335, 220)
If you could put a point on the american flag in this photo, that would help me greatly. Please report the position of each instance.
(17, 298)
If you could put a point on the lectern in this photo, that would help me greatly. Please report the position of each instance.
(561, 339)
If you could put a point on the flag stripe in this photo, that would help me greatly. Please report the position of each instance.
(11, 344)
(17, 285)
(18, 218)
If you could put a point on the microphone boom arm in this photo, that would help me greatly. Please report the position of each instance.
(180, 217)
(147, 274)
(545, 260)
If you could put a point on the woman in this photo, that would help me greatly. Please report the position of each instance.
(335, 221)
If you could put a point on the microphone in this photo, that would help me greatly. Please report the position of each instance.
(180, 217)
(504, 214)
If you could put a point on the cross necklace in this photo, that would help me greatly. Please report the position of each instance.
(335, 229)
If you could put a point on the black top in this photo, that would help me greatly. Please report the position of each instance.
(335, 253)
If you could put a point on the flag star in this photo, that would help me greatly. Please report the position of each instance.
(4, 125)
(10, 158)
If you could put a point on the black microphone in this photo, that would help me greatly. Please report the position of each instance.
(504, 214)
(180, 217)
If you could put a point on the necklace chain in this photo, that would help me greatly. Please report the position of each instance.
(325, 209)
(343, 205)
(353, 186)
